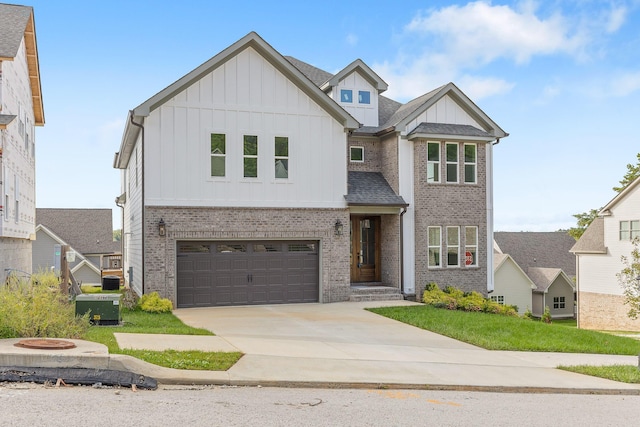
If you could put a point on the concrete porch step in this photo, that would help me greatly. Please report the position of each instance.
(374, 292)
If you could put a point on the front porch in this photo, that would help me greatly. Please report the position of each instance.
(374, 291)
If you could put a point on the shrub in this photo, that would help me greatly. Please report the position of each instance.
(36, 308)
(129, 299)
(455, 299)
(546, 316)
(152, 303)
(528, 314)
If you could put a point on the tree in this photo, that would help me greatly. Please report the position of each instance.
(586, 218)
(117, 235)
(629, 279)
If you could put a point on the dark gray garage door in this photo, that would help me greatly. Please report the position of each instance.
(247, 273)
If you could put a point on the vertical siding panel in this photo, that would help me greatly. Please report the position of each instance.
(230, 82)
(168, 149)
(206, 90)
(244, 73)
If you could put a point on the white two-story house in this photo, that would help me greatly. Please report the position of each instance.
(20, 110)
(260, 179)
(599, 252)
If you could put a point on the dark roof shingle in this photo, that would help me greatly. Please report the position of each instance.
(13, 22)
(539, 249)
(371, 189)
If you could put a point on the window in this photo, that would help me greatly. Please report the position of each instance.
(250, 156)
(218, 154)
(452, 162)
(433, 162)
(346, 95)
(356, 154)
(453, 246)
(629, 230)
(364, 97)
(470, 163)
(282, 157)
(471, 246)
(498, 298)
(435, 242)
(558, 302)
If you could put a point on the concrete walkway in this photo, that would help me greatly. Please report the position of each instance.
(333, 345)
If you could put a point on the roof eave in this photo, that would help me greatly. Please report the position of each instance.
(31, 46)
(444, 137)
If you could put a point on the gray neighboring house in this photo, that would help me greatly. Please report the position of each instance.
(260, 179)
(545, 258)
(89, 232)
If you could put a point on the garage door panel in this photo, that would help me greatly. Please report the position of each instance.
(245, 273)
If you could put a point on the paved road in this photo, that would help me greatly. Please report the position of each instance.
(28, 404)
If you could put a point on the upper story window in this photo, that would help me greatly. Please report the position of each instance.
(250, 156)
(364, 97)
(433, 162)
(218, 154)
(281, 157)
(452, 162)
(470, 163)
(471, 246)
(629, 230)
(356, 154)
(346, 95)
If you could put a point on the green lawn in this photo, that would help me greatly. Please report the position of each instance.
(162, 323)
(495, 332)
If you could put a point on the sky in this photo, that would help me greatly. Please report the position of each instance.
(561, 77)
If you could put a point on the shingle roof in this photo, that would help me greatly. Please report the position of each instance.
(13, 21)
(592, 240)
(89, 231)
(371, 189)
(543, 277)
(449, 129)
(315, 74)
(539, 249)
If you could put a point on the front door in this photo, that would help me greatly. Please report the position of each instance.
(365, 248)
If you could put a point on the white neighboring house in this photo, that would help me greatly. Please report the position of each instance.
(599, 251)
(512, 285)
(20, 110)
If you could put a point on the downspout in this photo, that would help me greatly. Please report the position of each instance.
(490, 275)
(139, 125)
(121, 236)
(404, 211)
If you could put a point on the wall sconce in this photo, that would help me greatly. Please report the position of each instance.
(338, 227)
(162, 227)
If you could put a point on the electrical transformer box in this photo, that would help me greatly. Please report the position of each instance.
(103, 309)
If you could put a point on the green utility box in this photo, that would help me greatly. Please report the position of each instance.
(104, 309)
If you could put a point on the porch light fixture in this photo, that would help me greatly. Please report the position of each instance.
(338, 227)
(162, 227)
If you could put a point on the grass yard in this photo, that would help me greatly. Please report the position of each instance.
(495, 332)
(137, 321)
(622, 373)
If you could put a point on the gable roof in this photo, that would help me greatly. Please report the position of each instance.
(442, 131)
(88, 231)
(543, 278)
(538, 249)
(17, 22)
(371, 189)
(620, 196)
(364, 71)
(58, 239)
(251, 40)
(592, 240)
(500, 259)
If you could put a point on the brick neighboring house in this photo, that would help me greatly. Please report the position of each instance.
(21, 109)
(260, 179)
(88, 232)
(598, 256)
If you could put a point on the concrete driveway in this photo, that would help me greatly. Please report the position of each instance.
(341, 343)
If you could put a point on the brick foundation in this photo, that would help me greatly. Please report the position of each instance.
(604, 312)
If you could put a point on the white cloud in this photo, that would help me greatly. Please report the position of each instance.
(625, 84)
(616, 18)
(352, 39)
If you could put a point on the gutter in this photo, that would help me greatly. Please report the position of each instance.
(139, 125)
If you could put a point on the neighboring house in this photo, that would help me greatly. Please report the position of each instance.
(554, 289)
(20, 110)
(89, 233)
(260, 179)
(512, 285)
(598, 252)
(549, 249)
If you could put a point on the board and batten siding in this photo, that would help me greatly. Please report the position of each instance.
(132, 227)
(244, 96)
(366, 114)
(445, 110)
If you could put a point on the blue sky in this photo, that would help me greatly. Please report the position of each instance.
(561, 77)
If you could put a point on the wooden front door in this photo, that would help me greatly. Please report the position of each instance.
(365, 248)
